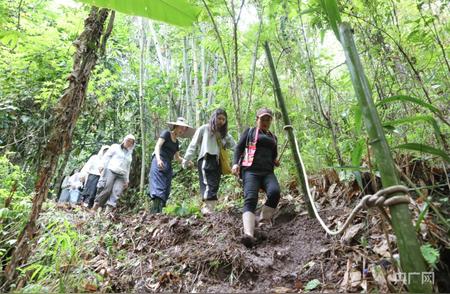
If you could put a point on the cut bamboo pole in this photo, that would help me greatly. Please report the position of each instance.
(290, 131)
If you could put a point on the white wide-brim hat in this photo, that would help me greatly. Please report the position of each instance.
(182, 122)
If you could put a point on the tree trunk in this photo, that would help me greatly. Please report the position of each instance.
(213, 80)
(162, 63)
(187, 82)
(66, 114)
(60, 175)
(195, 88)
(141, 105)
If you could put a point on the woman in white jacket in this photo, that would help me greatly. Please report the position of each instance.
(116, 173)
(209, 139)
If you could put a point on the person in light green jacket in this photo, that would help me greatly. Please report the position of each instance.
(207, 139)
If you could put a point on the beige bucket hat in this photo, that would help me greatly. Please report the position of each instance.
(182, 122)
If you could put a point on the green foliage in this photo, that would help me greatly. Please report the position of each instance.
(430, 254)
(424, 149)
(178, 12)
(15, 204)
(184, 208)
(405, 98)
(418, 118)
(311, 285)
(331, 9)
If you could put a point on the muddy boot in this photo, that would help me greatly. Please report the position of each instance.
(248, 218)
(209, 207)
(157, 205)
(95, 207)
(108, 209)
(265, 218)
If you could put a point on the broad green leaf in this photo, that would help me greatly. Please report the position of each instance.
(358, 119)
(331, 9)
(357, 153)
(413, 119)
(311, 285)
(409, 99)
(177, 12)
(425, 149)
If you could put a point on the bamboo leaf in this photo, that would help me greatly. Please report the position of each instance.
(408, 99)
(425, 149)
(424, 118)
(331, 9)
(177, 12)
(357, 153)
(357, 119)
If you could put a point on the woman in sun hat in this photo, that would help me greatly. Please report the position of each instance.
(255, 157)
(211, 139)
(167, 148)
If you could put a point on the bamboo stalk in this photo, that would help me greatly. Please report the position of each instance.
(411, 259)
(290, 131)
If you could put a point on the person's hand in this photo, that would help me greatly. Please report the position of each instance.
(160, 163)
(235, 169)
(190, 164)
(276, 163)
(125, 185)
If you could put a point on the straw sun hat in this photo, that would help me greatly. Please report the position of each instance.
(182, 122)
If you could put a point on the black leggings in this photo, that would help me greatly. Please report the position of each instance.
(252, 184)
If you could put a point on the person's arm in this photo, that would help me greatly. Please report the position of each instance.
(65, 184)
(238, 150)
(229, 142)
(107, 157)
(196, 141)
(158, 146)
(128, 173)
(275, 153)
(178, 157)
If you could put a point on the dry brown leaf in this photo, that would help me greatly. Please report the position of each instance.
(298, 285)
(282, 290)
(378, 276)
(382, 249)
(352, 279)
(351, 232)
(90, 287)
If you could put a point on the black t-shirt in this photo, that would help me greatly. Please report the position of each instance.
(169, 148)
(266, 151)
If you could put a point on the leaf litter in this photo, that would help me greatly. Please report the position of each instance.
(159, 253)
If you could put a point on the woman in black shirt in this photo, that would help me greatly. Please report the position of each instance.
(255, 157)
(167, 148)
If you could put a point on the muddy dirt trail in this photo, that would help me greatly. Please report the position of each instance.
(164, 253)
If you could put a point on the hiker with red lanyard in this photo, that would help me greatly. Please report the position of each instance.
(255, 157)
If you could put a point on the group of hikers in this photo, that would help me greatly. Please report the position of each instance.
(106, 174)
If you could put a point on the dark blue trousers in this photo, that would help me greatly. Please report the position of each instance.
(160, 181)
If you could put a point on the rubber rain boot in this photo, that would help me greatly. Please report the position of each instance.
(248, 239)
